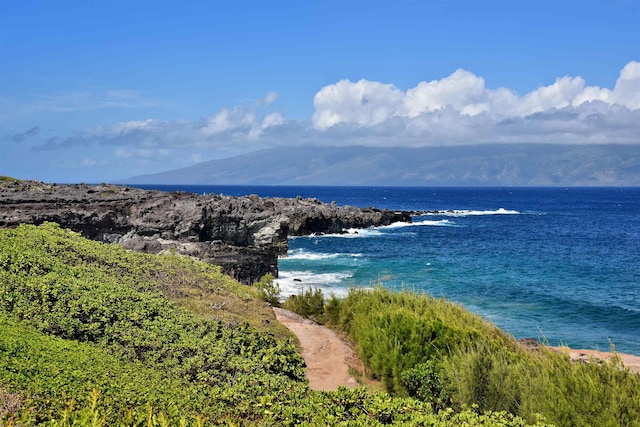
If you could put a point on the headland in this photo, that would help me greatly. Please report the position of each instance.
(244, 235)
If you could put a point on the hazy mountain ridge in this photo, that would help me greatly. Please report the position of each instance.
(469, 165)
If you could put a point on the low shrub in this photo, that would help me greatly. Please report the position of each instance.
(268, 290)
(308, 303)
(424, 382)
(395, 331)
(97, 316)
(546, 382)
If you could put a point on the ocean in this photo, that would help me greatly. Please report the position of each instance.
(557, 264)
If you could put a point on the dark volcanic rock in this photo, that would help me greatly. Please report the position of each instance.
(244, 235)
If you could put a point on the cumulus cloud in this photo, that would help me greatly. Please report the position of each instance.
(627, 90)
(364, 103)
(462, 90)
(456, 109)
(460, 109)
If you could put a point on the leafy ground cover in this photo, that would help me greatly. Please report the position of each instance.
(93, 335)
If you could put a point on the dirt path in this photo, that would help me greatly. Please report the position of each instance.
(327, 356)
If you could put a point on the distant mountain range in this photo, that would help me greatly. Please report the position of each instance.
(469, 165)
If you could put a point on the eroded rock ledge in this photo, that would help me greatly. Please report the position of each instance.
(244, 235)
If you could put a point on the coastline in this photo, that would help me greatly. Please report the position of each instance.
(630, 361)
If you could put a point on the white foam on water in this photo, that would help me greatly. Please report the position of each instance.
(353, 233)
(294, 282)
(465, 212)
(438, 223)
(301, 254)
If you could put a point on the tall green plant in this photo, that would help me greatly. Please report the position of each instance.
(528, 383)
(396, 331)
(268, 289)
(308, 303)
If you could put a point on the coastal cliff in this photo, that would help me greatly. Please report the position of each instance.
(244, 235)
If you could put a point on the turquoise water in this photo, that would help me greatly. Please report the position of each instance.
(559, 264)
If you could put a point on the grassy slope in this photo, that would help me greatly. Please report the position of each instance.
(169, 332)
(85, 298)
(471, 362)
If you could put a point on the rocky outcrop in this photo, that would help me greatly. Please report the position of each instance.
(244, 235)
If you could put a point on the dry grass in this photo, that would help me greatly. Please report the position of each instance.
(10, 403)
(204, 291)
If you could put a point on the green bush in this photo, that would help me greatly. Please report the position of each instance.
(48, 370)
(308, 303)
(332, 309)
(355, 407)
(268, 290)
(424, 382)
(109, 300)
(396, 331)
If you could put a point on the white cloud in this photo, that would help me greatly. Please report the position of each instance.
(456, 109)
(558, 95)
(229, 130)
(135, 152)
(270, 98)
(69, 102)
(627, 90)
(462, 90)
(364, 103)
(460, 109)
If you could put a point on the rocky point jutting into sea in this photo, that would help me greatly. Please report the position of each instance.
(244, 235)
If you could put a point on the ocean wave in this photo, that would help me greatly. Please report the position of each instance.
(438, 223)
(467, 212)
(301, 254)
(353, 233)
(293, 282)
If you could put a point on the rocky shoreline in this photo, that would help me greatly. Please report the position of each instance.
(244, 235)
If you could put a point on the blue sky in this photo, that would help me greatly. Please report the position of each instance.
(94, 91)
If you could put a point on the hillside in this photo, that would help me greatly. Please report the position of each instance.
(168, 341)
(159, 341)
(470, 165)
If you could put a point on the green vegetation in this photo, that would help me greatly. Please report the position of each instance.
(102, 318)
(166, 340)
(437, 351)
(92, 335)
(309, 303)
(268, 290)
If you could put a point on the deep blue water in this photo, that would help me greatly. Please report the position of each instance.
(554, 263)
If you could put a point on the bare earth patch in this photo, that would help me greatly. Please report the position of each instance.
(9, 403)
(328, 358)
(628, 360)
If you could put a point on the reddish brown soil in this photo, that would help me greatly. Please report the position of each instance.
(630, 361)
(327, 356)
(329, 359)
